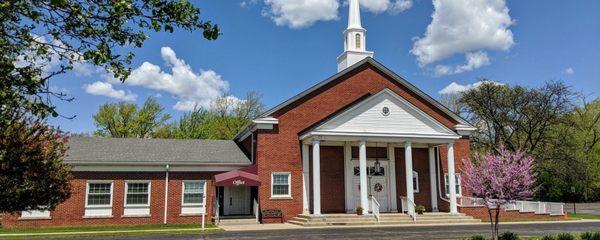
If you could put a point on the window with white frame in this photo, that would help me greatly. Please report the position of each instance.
(99, 194)
(457, 187)
(98, 202)
(193, 193)
(137, 194)
(415, 182)
(280, 185)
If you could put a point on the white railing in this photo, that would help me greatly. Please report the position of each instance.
(406, 207)
(375, 208)
(256, 215)
(537, 207)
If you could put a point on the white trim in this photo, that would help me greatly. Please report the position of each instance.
(183, 204)
(127, 182)
(305, 180)
(151, 168)
(87, 193)
(458, 183)
(289, 179)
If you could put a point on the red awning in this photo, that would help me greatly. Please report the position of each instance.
(240, 177)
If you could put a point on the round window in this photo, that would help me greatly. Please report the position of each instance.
(385, 111)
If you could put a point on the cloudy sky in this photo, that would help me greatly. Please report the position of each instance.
(281, 47)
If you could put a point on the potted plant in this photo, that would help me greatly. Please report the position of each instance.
(420, 209)
(359, 210)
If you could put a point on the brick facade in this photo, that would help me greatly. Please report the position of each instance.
(71, 212)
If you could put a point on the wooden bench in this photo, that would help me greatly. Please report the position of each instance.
(271, 213)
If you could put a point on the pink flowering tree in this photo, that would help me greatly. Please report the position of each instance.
(499, 179)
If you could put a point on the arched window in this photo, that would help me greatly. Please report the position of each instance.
(357, 40)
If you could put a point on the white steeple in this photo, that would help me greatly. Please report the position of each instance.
(355, 39)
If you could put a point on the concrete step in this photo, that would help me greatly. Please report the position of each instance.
(385, 219)
(243, 221)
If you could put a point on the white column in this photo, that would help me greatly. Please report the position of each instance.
(316, 177)
(362, 163)
(409, 176)
(392, 172)
(433, 180)
(452, 179)
(348, 175)
(305, 179)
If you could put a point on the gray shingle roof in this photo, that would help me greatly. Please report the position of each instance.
(154, 151)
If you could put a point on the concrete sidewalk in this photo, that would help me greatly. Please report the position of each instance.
(288, 226)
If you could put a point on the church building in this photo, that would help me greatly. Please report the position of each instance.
(363, 140)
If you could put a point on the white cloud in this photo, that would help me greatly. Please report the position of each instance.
(300, 13)
(47, 64)
(392, 6)
(190, 88)
(474, 60)
(247, 3)
(458, 88)
(106, 89)
(464, 26)
(569, 71)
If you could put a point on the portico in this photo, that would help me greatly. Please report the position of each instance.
(384, 125)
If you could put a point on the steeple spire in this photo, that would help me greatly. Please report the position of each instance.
(355, 39)
(354, 15)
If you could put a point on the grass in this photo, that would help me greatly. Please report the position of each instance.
(69, 232)
(584, 216)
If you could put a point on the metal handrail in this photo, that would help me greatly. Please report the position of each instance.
(409, 202)
(375, 209)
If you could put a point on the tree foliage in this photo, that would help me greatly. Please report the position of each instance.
(499, 179)
(514, 116)
(547, 124)
(35, 35)
(125, 120)
(225, 117)
(33, 175)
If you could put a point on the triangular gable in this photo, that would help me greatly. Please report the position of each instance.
(368, 116)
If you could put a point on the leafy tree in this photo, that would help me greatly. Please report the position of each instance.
(225, 117)
(190, 125)
(514, 116)
(35, 35)
(33, 175)
(499, 179)
(572, 158)
(123, 120)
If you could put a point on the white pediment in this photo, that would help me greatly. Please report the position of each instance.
(401, 118)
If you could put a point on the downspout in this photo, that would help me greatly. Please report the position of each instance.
(166, 193)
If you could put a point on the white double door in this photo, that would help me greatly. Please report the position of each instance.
(236, 201)
(378, 183)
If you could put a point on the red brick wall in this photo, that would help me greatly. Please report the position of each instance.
(72, 210)
(332, 180)
(279, 149)
(421, 166)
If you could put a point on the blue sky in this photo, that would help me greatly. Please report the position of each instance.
(281, 47)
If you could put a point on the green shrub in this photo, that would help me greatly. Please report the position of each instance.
(548, 237)
(477, 237)
(590, 236)
(508, 236)
(565, 236)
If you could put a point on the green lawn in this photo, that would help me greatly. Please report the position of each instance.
(584, 216)
(165, 229)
